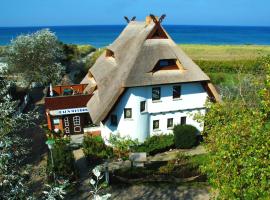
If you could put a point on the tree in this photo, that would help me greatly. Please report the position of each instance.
(238, 140)
(36, 57)
(13, 151)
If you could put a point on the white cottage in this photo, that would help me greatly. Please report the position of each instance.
(144, 84)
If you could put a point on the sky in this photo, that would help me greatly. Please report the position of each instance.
(105, 12)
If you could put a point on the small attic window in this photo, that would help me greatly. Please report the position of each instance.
(157, 33)
(168, 64)
(109, 53)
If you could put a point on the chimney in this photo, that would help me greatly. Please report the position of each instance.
(148, 19)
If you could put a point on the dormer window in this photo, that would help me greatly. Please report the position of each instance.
(109, 53)
(168, 64)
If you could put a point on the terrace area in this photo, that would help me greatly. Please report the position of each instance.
(67, 96)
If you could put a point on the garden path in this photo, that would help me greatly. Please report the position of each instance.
(172, 154)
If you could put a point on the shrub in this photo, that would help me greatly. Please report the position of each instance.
(122, 145)
(95, 149)
(185, 136)
(64, 162)
(156, 144)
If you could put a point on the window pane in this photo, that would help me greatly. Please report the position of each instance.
(114, 120)
(156, 93)
(56, 121)
(176, 91)
(170, 123)
(156, 124)
(163, 63)
(127, 113)
(142, 106)
(183, 120)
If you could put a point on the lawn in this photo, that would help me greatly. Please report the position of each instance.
(225, 52)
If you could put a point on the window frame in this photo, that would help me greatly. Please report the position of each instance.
(159, 89)
(76, 120)
(156, 120)
(168, 120)
(144, 106)
(179, 92)
(125, 113)
(183, 119)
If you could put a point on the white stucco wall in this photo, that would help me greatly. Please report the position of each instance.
(192, 100)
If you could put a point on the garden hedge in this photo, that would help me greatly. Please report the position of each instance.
(185, 136)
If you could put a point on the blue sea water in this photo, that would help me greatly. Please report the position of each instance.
(103, 35)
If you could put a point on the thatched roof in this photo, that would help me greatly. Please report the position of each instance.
(132, 64)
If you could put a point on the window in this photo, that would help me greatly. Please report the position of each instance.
(155, 93)
(76, 121)
(155, 124)
(143, 106)
(109, 53)
(66, 122)
(183, 120)
(128, 113)
(56, 121)
(114, 120)
(170, 123)
(163, 63)
(166, 64)
(176, 91)
(67, 130)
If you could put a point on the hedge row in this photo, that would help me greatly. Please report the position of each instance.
(156, 144)
(231, 66)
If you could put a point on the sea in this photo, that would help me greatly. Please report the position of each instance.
(103, 35)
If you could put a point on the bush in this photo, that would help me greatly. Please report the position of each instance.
(95, 149)
(156, 144)
(185, 136)
(64, 162)
(122, 145)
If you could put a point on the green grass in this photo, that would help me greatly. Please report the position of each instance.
(225, 52)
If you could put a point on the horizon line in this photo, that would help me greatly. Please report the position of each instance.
(43, 26)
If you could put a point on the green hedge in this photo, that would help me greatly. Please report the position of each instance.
(95, 149)
(231, 66)
(185, 136)
(64, 162)
(156, 144)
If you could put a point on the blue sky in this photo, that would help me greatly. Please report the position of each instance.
(93, 12)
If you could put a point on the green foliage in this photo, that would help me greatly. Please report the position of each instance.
(231, 66)
(122, 145)
(64, 162)
(14, 148)
(36, 57)
(239, 142)
(95, 149)
(185, 136)
(91, 60)
(73, 52)
(2, 51)
(156, 144)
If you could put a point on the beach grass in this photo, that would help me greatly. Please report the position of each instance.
(225, 52)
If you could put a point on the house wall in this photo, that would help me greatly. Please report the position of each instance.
(193, 98)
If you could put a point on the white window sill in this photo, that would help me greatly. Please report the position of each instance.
(170, 128)
(177, 99)
(143, 112)
(156, 130)
(156, 101)
(128, 119)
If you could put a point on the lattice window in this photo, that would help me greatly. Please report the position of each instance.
(76, 121)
